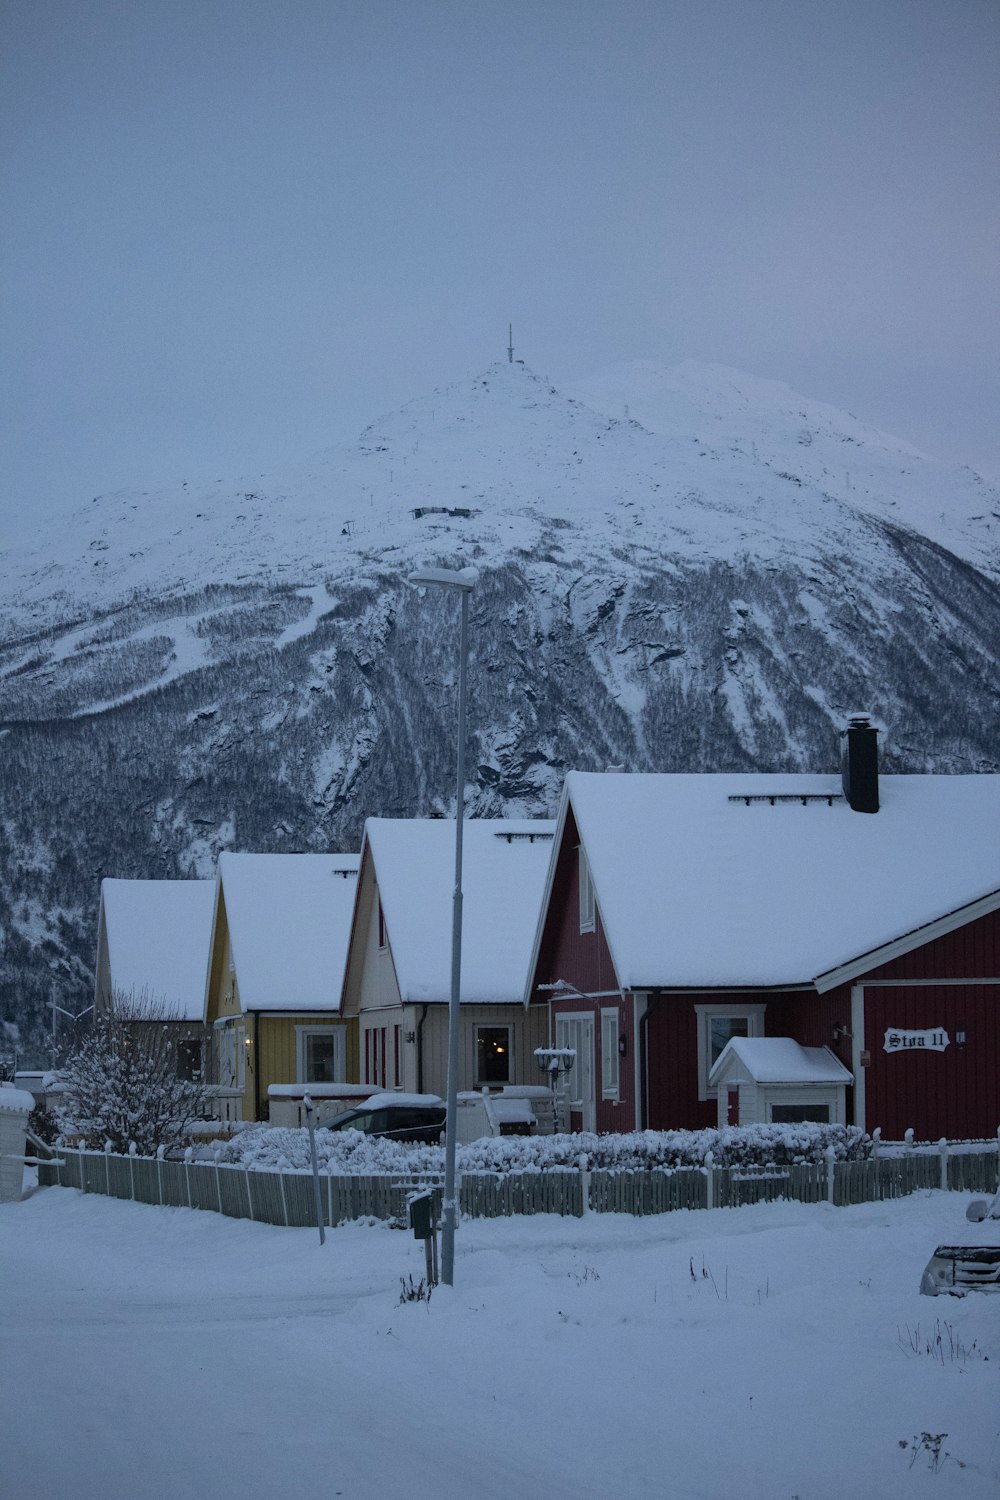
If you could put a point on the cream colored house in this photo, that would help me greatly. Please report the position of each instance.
(397, 981)
(279, 942)
(153, 940)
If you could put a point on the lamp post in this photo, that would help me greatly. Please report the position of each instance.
(462, 581)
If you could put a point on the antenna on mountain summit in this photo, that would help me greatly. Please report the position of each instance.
(510, 343)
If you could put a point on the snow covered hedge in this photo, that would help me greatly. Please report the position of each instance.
(348, 1152)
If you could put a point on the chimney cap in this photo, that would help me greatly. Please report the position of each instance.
(860, 720)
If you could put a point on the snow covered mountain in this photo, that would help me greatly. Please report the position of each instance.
(681, 569)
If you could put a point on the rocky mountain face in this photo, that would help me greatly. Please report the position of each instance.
(679, 570)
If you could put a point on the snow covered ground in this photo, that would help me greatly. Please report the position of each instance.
(750, 1354)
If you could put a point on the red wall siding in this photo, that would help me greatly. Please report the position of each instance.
(672, 1043)
(955, 1093)
(583, 960)
(969, 952)
(810, 1019)
(672, 1066)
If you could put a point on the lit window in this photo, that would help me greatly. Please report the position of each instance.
(492, 1055)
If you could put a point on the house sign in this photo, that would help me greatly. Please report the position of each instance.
(934, 1039)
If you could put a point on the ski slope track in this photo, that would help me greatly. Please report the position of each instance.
(681, 569)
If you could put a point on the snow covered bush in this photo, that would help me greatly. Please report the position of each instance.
(349, 1152)
(121, 1084)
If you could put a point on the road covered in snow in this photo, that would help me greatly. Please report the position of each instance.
(762, 1353)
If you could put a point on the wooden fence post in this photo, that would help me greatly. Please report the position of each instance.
(831, 1158)
(943, 1148)
(709, 1180)
(584, 1183)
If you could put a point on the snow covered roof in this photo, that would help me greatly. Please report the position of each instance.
(504, 865)
(16, 1101)
(289, 923)
(699, 886)
(158, 935)
(777, 1059)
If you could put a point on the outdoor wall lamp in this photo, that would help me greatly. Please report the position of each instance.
(623, 1046)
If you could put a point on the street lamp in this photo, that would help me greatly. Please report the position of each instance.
(463, 581)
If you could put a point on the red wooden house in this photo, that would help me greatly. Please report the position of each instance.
(855, 912)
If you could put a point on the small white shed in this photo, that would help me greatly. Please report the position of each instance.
(15, 1107)
(765, 1080)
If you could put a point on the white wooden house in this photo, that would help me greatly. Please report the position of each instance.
(398, 974)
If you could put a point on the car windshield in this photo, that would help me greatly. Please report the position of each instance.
(345, 1120)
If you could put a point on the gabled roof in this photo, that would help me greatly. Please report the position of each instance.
(777, 1059)
(289, 921)
(158, 935)
(700, 885)
(504, 863)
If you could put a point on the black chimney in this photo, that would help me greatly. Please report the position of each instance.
(859, 764)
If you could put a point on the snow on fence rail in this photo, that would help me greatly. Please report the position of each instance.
(286, 1198)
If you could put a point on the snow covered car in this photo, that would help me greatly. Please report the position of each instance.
(973, 1264)
(396, 1117)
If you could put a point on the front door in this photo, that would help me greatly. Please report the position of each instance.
(578, 1083)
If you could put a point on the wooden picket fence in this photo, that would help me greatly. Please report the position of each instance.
(287, 1198)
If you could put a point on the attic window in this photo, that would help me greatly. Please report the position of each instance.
(588, 904)
(804, 797)
(531, 837)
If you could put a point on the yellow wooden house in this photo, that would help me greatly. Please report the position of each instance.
(279, 943)
(152, 951)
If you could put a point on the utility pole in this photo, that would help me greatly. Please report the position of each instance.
(510, 343)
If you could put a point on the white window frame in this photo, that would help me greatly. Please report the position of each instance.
(610, 1060)
(752, 1014)
(800, 1100)
(302, 1034)
(588, 901)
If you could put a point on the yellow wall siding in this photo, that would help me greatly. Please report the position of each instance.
(277, 1047)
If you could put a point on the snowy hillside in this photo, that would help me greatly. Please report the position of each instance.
(710, 583)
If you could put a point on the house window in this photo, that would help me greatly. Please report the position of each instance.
(189, 1059)
(717, 1024)
(587, 902)
(383, 941)
(609, 1054)
(319, 1054)
(492, 1055)
(798, 1114)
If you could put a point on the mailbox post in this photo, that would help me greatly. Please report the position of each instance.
(423, 1222)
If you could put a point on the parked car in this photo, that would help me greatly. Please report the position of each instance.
(973, 1263)
(395, 1117)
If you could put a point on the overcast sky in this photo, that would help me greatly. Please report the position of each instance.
(235, 231)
